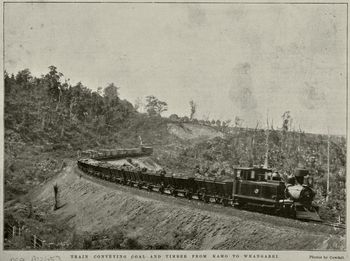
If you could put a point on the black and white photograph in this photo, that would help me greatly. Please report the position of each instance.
(174, 130)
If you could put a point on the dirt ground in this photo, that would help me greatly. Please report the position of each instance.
(93, 206)
(189, 131)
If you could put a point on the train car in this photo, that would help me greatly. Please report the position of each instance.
(210, 189)
(182, 185)
(156, 181)
(257, 187)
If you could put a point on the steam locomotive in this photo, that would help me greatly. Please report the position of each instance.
(254, 186)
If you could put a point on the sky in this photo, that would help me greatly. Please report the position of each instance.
(250, 61)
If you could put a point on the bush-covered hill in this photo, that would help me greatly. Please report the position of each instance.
(49, 110)
(287, 150)
(47, 119)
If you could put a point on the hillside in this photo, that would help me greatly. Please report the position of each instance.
(171, 223)
(188, 131)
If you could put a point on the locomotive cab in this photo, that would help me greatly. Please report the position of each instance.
(253, 174)
(257, 186)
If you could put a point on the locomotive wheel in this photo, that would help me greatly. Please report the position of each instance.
(239, 204)
(224, 202)
(293, 212)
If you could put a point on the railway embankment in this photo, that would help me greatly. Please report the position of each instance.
(91, 206)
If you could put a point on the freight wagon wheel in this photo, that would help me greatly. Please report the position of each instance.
(161, 189)
(206, 198)
(173, 192)
(188, 195)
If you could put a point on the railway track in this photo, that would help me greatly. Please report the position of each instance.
(335, 225)
(182, 197)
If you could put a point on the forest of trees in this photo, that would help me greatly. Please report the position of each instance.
(48, 109)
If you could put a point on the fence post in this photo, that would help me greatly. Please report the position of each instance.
(13, 231)
(34, 241)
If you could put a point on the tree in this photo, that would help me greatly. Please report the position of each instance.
(286, 119)
(139, 106)
(226, 123)
(185, 119)
(193, 107)
(154, 106)
(174, 117)
(53, 78)
(238, 122)
(23, 77)
(111, 92)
